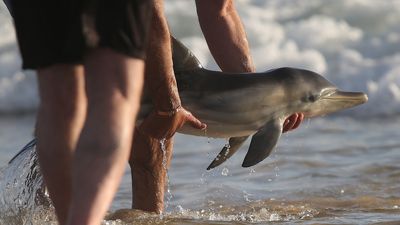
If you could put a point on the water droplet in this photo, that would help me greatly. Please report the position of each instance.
(164, 151)
(225, 172)
(180, 208)
(276, 171)
(307, 124)
(246, 196)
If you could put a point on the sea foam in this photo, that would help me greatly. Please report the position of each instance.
(355, 44)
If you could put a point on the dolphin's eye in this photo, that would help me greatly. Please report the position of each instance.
(312, 98)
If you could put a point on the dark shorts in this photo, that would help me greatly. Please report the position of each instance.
(62, 31)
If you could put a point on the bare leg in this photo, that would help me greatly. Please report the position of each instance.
(59, 123)
(113, 84)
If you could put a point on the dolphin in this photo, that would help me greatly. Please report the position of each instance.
(240, 105)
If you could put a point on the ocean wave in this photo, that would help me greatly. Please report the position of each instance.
(355, 44)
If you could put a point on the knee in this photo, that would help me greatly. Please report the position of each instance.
(104, 147)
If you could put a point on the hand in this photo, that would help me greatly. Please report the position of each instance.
(292, 122)
(165, 126)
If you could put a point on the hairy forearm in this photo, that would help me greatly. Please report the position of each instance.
(159, 78)
(225, 35)
(149, 162)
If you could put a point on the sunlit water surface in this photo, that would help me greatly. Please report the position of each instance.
(333, 170)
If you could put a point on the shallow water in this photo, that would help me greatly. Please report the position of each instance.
(334, 170)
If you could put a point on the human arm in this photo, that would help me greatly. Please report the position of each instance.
(225, 35)
(226, 39)
(150, 158)
(160, 82)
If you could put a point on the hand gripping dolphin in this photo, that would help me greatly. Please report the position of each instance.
(237, 106)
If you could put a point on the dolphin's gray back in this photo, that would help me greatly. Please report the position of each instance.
(231, 104)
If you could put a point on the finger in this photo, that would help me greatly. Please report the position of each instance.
(300, 119)
(195, 123)
(290, 121)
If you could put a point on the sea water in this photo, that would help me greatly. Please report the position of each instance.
(340, 169)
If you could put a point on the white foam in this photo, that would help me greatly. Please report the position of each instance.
(18, 92)
(355, 44)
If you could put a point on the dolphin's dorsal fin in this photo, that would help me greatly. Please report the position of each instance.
(227, 151)
(263, 142)
(182, 57)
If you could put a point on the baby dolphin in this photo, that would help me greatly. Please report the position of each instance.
(238, 105)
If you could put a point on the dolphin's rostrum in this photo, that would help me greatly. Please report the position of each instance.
(236, 106)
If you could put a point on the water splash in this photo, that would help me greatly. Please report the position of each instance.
(276, 169)
(168, 196)
(252, 171)
(112, 222)
(253, 212)
(164, 152)
(23, 198)
(247, 196)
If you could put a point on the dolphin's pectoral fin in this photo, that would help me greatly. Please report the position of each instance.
(263, 142)
(227, 151)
